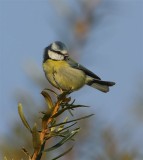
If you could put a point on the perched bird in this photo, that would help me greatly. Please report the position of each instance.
(67, 75)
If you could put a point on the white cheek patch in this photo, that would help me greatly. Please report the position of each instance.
(64, 51)
(55, 56)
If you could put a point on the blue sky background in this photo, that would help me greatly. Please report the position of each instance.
(115, 52)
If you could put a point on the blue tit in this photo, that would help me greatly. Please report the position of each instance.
(67, 75)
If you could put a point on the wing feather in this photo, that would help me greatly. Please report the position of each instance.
(76, 65)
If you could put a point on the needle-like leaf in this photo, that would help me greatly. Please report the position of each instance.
(48, 99)
(67, 108)
(21, 114)
(63, 153)
(47, 89)
(26, 152)
(65, 139)
(36, 137)
(72, 120)
(67, 127)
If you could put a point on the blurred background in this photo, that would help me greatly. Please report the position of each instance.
(107, 38)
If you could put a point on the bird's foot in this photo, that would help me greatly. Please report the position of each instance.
(63, 97)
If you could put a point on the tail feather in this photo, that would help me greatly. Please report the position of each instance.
(100, 85)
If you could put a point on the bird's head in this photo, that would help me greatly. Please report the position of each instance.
(55, 51)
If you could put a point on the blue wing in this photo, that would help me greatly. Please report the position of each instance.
(76, 65)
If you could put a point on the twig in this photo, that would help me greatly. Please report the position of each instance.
(38, 152)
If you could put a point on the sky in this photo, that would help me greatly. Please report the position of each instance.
(115, 53)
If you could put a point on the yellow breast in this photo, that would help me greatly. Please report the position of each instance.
(62, 76)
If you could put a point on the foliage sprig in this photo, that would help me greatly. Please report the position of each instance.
(50, 127)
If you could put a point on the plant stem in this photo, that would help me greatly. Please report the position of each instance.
(38, 151)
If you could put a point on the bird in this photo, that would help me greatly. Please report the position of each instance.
(67, 75)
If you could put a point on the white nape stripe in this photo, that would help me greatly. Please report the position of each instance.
(55, 56)
(54, 47)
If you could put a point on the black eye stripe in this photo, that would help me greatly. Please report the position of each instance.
(58, 52)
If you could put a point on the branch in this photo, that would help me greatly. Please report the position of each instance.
(49, 126)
